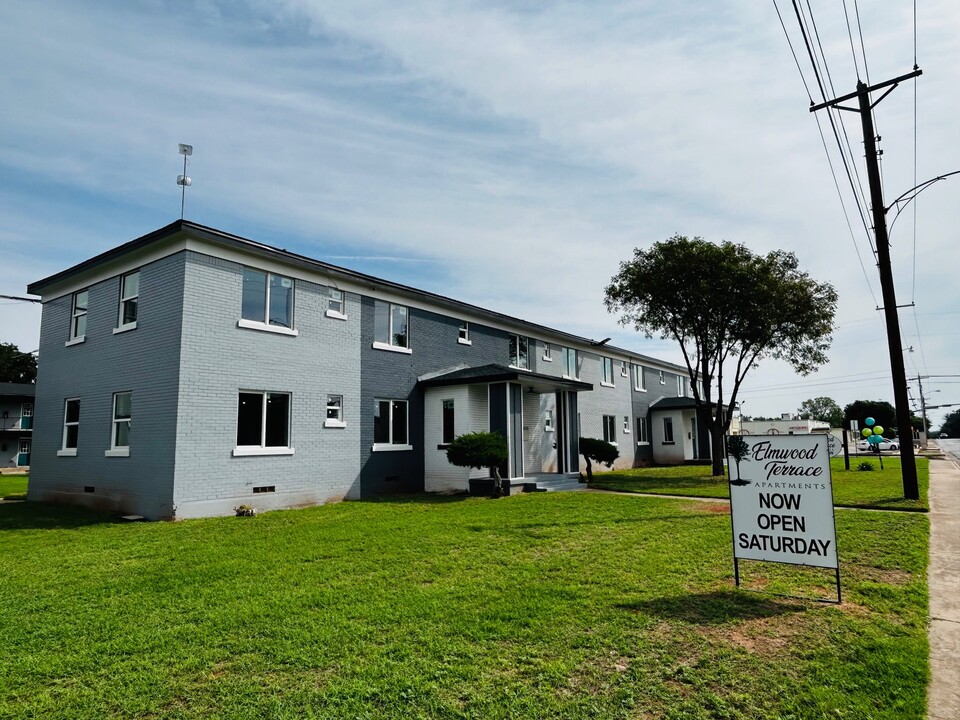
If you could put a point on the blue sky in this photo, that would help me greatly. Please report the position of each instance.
(509, 154)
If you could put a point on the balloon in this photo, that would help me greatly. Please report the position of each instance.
(866, 432)
(878, 430)
(875, 439)
(869, 422)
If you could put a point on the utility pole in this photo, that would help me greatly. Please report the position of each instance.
(923, 411)
(911, 488)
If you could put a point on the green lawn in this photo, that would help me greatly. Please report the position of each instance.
(851, 488)
(13, 486)
(549, 605)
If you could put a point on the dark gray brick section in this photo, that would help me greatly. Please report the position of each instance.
(642, 402)
(145, 361)
(220, 359)
(389, 375)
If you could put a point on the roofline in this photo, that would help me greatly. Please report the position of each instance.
(221, 237)
(507, 376)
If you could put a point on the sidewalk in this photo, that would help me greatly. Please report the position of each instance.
(943, 577)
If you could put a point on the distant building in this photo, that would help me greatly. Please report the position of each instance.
(777, 427)
(16, 424)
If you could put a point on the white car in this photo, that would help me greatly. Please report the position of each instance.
(863, 445)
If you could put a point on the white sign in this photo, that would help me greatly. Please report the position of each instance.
(781, 499)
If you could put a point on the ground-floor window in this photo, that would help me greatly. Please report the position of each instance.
(71, 424)
(448, 424)
(122, 414)
(642, 437)
(609, 428)
(668, 429)
(263, 420)
(390, 425)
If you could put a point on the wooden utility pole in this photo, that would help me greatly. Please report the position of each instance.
(911, 489)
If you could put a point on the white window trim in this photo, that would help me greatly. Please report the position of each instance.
(331, 423)
(519, 337)
(663, 380)
(387, 447)
(606, 384)
(64, 450)
(647, 428)
(624, 369)
(626, 424)
(377, 345)
(547, 358)
(125, 298)
(117, 452)
(642, 385)
(125, 328)
(251, 450)
(335, 315)
(67, 452)
(464, 326)
(335, 422)
(77, 340)
(264, 327)
(464, 342)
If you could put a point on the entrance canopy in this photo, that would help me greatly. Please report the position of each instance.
(493, 373)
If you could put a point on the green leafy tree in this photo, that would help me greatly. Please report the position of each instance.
(16, 365)
(880, 410)
(480, 450)
(823, 409)
(951, 425)
(595, 450)
(728, 309)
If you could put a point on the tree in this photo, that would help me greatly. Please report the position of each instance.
(480, 450)
(822, 408)
(599, 451)
(951, 425)
(728, 308)
(739, 450)
(16, 366)
(880, 410)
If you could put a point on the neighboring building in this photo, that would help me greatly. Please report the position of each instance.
(16, 424)
(785, 426)
(190, 371)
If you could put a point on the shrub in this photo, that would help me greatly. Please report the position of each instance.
(599, 451)
(865, 466)
(480, 450)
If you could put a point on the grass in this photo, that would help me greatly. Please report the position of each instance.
(851, 488)
(13, 487)
(556, 605)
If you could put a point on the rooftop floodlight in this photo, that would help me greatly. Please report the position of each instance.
(184, 180)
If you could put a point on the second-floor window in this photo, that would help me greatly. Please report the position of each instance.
(267, 298)
(129, 297)
(391, 325)
(570, 363)
(78, 319)
(335, 302)
(463, 334)
(606, 373)
(681, 386)
(639, 380)
(519, 356)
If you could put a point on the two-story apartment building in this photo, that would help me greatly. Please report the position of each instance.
(16, 424)
(189, 371)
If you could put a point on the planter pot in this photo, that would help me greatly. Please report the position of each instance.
(483, 487)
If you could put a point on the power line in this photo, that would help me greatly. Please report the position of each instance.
(21, 299)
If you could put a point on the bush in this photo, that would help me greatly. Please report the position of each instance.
(865, 466)
(596, 450)
(480, 450)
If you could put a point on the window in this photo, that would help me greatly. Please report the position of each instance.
(518, 352)
(668, 430)
(71, 426)
(129, 294)
(334, 412)
(606, 371)
(391, 327)
(642, 437)
(267, 300)
(448, 429)
(120, 431)
(547, 355)
(336, 308)
(639, 379)
(390, 425)
(570, 363)
(26, 410)
(623, 368)
(609, 428)
(263, 424)
(662, 381)
(626, 424)
(681, 388)
(78, 316)
(463, 333)
(548, 421)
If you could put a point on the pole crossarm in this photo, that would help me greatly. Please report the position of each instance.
(849, 96)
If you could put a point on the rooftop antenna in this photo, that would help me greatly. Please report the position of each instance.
(184, 180)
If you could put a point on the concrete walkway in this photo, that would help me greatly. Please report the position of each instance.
(944, 582)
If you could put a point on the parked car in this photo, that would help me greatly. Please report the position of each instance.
(865, 446)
